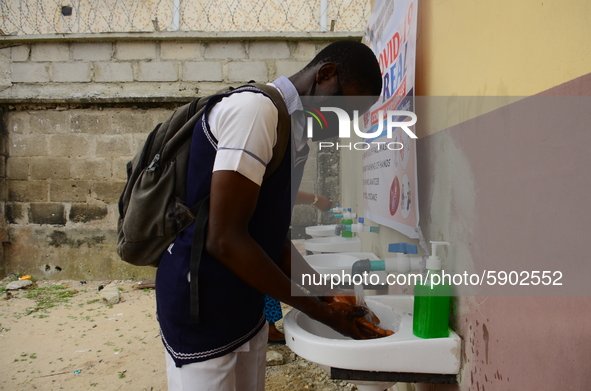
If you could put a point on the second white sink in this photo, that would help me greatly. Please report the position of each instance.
(321, 230)
(333, 244)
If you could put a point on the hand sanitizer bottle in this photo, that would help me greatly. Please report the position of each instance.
(346, 231)
(360, 227)
(432, 300)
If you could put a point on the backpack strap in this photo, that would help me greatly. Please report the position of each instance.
(193, 108)
(196, 252)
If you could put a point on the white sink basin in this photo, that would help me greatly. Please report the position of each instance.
(333, 244)
(402, 352)
(331, 263)
(364, 255)
(321, 230)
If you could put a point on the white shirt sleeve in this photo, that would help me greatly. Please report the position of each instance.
(245, 126)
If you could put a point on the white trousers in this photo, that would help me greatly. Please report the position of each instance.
(240, 370)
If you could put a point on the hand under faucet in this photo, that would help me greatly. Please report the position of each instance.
(368, 324)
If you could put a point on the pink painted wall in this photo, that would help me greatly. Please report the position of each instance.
(525, 171)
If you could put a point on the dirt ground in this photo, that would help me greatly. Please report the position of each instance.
(62, 335)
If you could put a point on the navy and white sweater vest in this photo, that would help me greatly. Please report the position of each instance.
(231, 312)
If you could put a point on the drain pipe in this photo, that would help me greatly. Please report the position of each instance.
(363, 265)
(176, 15)
(323, 12)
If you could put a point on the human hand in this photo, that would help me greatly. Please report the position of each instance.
(357, 327)
(323, 204)
(343, 296)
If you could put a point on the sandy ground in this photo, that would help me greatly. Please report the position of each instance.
(61, 335)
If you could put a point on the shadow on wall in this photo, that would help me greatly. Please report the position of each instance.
(509, 189)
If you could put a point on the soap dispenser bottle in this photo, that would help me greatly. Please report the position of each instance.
(345, 233)
(432, 300)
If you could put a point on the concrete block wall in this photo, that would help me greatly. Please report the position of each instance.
(64, 172)
(128, 68)
(3, 224)
(75, 112)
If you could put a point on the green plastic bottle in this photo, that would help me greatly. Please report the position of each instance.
(432, 301)
(347, 234)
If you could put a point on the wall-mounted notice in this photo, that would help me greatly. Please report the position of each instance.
(389, 165)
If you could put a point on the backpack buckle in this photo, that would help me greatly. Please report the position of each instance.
(154, 163)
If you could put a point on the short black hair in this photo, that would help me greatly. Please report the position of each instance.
(357, 64)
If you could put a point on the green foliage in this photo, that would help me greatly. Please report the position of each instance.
(48, 297)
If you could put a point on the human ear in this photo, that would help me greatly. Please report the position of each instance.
(326, 72)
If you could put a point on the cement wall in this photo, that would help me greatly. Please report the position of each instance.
(504, 194)
(495, 186)
(76, 109)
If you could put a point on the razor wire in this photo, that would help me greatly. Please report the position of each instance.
(25, 17)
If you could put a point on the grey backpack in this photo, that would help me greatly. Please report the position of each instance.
(152, 209)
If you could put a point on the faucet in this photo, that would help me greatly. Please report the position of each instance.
(345, 215)
(337, 209)
(359, 227)
(402, 263)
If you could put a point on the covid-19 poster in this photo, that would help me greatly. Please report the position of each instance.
(390, 165)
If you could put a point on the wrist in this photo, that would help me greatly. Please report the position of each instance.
(315, 308)
(315, 200)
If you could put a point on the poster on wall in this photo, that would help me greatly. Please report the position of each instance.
(390, 164)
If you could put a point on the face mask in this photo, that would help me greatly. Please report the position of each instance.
(325, 128)
(324, 124)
